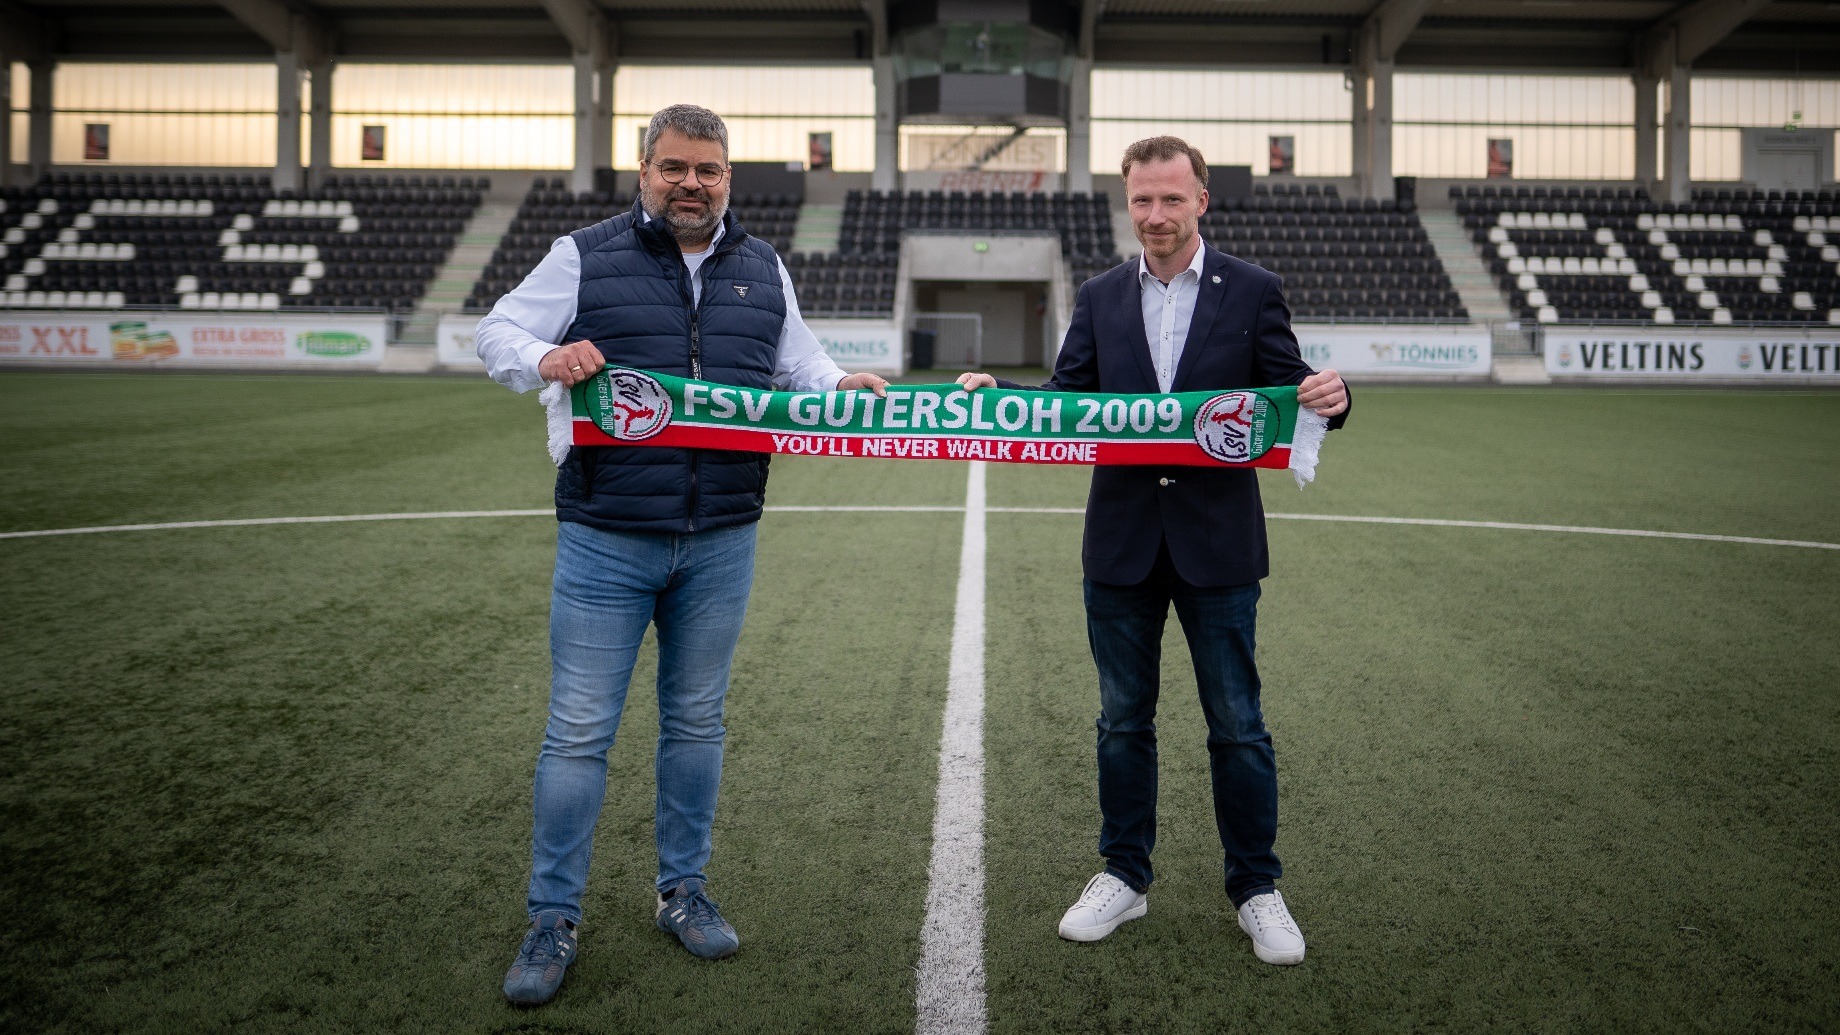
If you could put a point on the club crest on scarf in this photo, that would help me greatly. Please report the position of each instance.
(1232, 427)
(638, 407)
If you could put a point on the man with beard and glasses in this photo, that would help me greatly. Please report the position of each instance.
(648, 535)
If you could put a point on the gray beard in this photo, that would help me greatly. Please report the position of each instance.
(687, 229)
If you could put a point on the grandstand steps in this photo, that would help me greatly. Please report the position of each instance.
(1471, 278)
(818, 228)
(455, 279)
(1519, 368)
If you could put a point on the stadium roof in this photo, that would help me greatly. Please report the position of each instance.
(1774, 38)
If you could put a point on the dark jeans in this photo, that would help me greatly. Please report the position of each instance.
(1125, 627)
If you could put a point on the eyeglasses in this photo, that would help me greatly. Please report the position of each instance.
(708, 174)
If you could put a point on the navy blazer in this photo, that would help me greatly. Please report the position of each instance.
(1211, 517)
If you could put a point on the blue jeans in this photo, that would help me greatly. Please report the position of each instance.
(609, 586)
(1125, 627)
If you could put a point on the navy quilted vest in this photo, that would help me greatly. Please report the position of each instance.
(635, 305)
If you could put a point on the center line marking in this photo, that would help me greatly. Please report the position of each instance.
(950, 996)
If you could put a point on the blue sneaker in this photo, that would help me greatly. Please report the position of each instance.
(547, 951)
(689, 914)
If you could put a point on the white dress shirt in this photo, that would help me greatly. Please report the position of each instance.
(1168, 310)
(531, 320)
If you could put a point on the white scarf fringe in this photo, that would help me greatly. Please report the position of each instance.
(1306, 445)
(561, 418)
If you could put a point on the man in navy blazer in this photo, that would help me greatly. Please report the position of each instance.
(1184, 317)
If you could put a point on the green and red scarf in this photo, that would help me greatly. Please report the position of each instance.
(1250, 427)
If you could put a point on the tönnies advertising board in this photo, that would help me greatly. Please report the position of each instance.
(1396, 349)
(453, 340)
(192, 339)
(853, 344)
(861, 344)
(1724, 354)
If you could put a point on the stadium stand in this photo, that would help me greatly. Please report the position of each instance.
(217, 241)
(873, 222)
(1341, 258)
(1590, 255)
(550, 211)
(836, 284)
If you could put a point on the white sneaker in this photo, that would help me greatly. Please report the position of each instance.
(1104, 904)
(1275, 938)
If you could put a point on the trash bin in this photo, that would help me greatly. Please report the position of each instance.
(920, 347)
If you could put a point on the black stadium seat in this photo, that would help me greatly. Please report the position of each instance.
(1726, 256)
(223, 241)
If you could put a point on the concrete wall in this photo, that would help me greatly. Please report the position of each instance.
(1027, 267)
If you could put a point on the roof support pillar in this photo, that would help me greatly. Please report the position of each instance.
(593, 118)
(1666, 52)
(1373, 129)
(1676, 136)
(287, 120)
(1647, 112)
(6, 121)
(1079, 126)
(887, 174)
(38, 118)
(1386, 29)
(319, 131)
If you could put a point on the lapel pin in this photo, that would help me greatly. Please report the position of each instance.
(1217, 278)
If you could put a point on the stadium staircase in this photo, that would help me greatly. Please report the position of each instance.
(818, 228)
(1468, 275)
(454, 281)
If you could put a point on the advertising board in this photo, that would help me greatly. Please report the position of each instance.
(853, 344)
(1396, 349)
(861, 344)
(192, 339)
(453, 341)
(1718, 353)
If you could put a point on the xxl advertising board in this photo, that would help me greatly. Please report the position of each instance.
(861, 344)
(1396, 349)
(191, 339)
(1693, 352)
(453, 341)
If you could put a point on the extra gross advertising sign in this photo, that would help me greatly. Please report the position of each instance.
(1403, 349)
(186, 339)
(1668, 352)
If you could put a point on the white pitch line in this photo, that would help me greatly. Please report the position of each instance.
(950, 996)
(327, 519)
(1511, 526)
(1580, 529)
(436, 515)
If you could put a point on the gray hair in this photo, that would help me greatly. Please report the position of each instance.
(692, 121)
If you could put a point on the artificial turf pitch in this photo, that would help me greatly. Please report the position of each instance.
(276, 778)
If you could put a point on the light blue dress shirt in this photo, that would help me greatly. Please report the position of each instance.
(1168, 310)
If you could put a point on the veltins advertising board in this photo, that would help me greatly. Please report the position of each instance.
(1396, 349)
(1693, 352)
(191, 339)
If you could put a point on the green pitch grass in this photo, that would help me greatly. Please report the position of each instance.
(277, 778)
